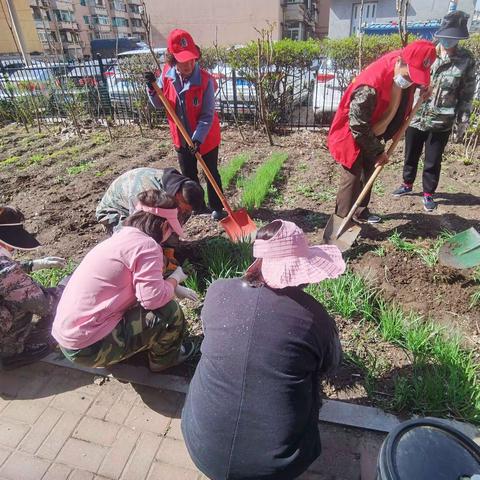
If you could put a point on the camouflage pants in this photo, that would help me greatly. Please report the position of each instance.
(160, 332)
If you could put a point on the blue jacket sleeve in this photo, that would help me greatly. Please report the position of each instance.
(206, 116)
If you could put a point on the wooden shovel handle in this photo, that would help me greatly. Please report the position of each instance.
(171, 111)
(396, 139)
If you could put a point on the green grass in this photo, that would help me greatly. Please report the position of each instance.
(36, 159)
(9, 161)
(443, 378)
(230, 171)
(428, 254)
(475, 297)
(257, 187)
(80, 168)
(378, 188)
(317, 192)
(51, 277)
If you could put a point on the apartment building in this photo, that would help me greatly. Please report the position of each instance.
(66, 27)
(234, 23)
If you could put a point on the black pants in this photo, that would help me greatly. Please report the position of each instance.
(435, 143)
(188, 166)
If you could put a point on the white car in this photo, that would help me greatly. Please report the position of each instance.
(329, 87)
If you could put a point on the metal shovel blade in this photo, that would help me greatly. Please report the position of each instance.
(239, 226)
(462, 250)
(346, 239)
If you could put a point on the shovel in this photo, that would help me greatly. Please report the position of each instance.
(343, 232)
(237, 225)
(462, 250)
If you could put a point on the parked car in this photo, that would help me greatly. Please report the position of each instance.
(329, 86)
(35, 80)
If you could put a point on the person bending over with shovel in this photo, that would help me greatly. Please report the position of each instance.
(118, 303)
(23, 339)
(453, 88)
(191, 92)
(251, 411)
(372, 110)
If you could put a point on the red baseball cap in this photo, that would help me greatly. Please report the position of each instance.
(419, 56)
(181, 45)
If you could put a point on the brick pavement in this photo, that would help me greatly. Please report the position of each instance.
(58, 424)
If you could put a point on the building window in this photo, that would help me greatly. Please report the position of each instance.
(83, 3)
(134, 9)
(86, 19)
(63, 15)
(136, 22)
(119, 22)
(294, 30)
(118, 5)
(369, 16)
(101, 20)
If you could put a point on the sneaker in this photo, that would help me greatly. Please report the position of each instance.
(188, 349)
(32, 353)
(429, 203)
(218, 214)
(370, 219)
(402, 190)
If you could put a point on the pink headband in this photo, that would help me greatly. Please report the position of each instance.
(169, 214)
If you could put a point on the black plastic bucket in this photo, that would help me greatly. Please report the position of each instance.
(427, 449)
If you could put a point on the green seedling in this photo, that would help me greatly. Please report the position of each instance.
(380, 251)
(9, 161)
(378, 188)
(257, 187)
(82, 167)
(51, 277)
(230, 171)
(316, 192)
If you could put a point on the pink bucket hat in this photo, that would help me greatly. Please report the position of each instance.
(169, 214)
(288, 261)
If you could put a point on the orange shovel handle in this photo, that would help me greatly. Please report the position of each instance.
(186, 136)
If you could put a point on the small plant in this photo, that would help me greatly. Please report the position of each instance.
(378, 188)
(229, 171)
(475, 297)
(380, 251)
(82, 167)
(316, 192)
(257, 187)
(36, 159)
(51, 277)
(9, 161)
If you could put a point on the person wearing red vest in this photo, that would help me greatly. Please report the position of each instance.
(191, 91)
(371, 111)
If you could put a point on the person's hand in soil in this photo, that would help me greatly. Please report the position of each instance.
(381, 159)
(184, 292)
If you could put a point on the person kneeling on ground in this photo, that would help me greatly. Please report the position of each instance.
(22, 339)
(121, 196)
(253, 403)
(117, 302)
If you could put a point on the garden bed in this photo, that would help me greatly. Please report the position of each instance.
(57, 180)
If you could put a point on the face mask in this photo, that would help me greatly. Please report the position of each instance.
(402, 82)
(448, 42)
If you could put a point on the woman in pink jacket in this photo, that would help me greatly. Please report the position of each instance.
(117, 302)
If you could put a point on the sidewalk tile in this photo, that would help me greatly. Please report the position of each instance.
(163, 401)
(81, 475)
(174, 429)
(26, 411)
(58, 436)
(83, 455)
(3, 402)
(40, 430)
(96, 431)
(4, 453)
(105, 400)
(174, 452)
(72, 402)
(147, 420)
(142, 457)
(12, 432)
(162, 470)
(57, 472)
(121, 408)
(118, 456)
(23, 466)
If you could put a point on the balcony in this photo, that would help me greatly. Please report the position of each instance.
(121, 29)
(67, 25)
(102, 28)
(61, 5)
(138, 29)
(293, 12)
(98, 10)
(135, 15)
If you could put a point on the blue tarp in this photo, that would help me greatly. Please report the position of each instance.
(420, 29)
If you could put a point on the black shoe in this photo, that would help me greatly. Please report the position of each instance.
(218, 214)
(189, 349)
(402, 190)
(203, 211)
(32, 353)
(429, 203)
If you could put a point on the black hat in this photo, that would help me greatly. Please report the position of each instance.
(454, 25)
(12, 232)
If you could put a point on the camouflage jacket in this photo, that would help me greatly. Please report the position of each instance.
(453, 82)
(20, 299)
(119, 199)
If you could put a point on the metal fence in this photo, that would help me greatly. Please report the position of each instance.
(106, 89)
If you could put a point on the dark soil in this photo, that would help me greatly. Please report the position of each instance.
(59, 204)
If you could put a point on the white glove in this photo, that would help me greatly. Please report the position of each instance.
(48, 262)
(178, 275)
(184, 292)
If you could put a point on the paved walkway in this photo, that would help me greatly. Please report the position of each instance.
(58, 424)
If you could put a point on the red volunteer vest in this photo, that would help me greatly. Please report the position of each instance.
(379, 75)
(193, 105)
